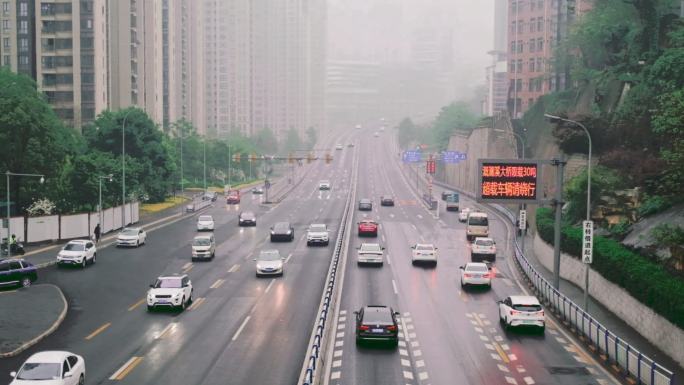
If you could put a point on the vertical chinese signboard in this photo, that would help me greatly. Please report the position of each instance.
(588, 242)
(508, 181)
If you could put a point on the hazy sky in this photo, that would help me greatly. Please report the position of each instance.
(387, 31)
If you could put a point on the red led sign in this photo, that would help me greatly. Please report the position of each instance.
(507, 180)
(430, 167)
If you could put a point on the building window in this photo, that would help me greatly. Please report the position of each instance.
(532, 4)
(530, 102)
(531, 65)
(518, 84)
(530, 85)
(521, 26)
(5, 25)
(6, 60)
(5, 42)
(23, 45)
(511, 67)
(520, 66)
(540, 4)
(23, 27)
(540, 24)
(513, 26)
(23, 9)
(531, 45)
(532, 24)
(540, 44)
(539, 65)
(520, 46)
(5, 8)
(514, 6)
(513, 46)
(23, 59)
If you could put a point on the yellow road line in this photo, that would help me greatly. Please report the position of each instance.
(217, 284)
(235, 268)
(98, 331)
(188, 269)
(479, 321)
(196, 303)
(132, 307)
(169, 329)
(127, 368)
(501, 352)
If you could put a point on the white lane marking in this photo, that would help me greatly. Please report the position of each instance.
(529, 380)
(391, 215)
(561, 340)
(512, 357)
(403, 352)
(339, 344)
(414, 226)
(408, 375)
(288, 257)
(520, 369)
(269, 286)
(423, 376)
(503, 368)
(383, 238)
(186, 265)
(337, 353)
(337, 363)
(389, 262)
(419, 216)
(394, 286)
(234, 268)
(420, 363)
(489, 346)
(495, 356)
(511, 380)
(405, 362)
(339, 335)
(341, 319)
(237, 333)
(335, 375)
(414, 344)
(417, 353)
(340, 326)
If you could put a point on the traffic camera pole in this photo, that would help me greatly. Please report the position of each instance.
(558, 202)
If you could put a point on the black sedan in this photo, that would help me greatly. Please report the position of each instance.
(282, 231)
(386, 200)
(377, 324)
(365, 205)
(247, 218)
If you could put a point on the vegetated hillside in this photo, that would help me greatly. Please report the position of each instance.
(627, 62)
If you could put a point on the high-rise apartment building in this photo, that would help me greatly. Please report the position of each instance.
(18, 36)
(263, 65)
(71, 57)
(497, 73)
(535, 27)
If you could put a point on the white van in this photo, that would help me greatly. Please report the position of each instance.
(477, 225)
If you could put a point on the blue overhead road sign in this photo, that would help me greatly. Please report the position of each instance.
(412, 156)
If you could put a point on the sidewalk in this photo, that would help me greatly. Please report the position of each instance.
(36, 312)
(605, 316)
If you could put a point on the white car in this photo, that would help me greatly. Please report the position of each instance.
(51, 367)
(338, 146)
(205, 223)
(483, 249)
(203, 247)
(324, 185)
(463, 215)
(476, 273)
(174, 291)
(424, 252)
(317, 234)
(370, 253)
(131, 236)
(78, 252)
(521, 310)
(269, 262)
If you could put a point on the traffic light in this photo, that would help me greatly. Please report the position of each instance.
(328, 158)
(252, 157)
(236, 157)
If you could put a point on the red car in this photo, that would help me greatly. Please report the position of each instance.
(233, 197)
(368, 227)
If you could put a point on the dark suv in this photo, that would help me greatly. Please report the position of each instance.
(365, 205)
(282, 231)
(377, 323)
(17, 272)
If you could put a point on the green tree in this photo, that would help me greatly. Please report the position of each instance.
(32, 139)
(669, 124)
(603, 180)
(672, 237)
(266, 141)
(149, 164)
(311, 137)
(292, 141)
(454, 117)
(407, 132)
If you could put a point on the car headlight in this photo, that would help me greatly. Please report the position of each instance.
(289, 231)
(258, 267)
(272, 232)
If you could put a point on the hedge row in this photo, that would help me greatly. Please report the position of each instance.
(644, 280)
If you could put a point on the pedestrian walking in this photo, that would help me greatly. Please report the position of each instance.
(97, 233)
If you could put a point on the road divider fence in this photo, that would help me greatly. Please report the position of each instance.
(313, 365)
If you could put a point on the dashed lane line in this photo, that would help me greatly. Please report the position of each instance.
(126, 368)
(234, 268)
(244, 323)
(268, 288)
(168, 330)
(197, 303)
(217, 284)
(394, 286)
(135, 305)
(98, 331)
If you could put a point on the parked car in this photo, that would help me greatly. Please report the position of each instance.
(317, 234)
(78, 252)
(269, 262)
(203, 247)
(521, 310)
(247, 218)
(17, 272)
(205, 223)
(51, 367)
(173, 291)
(324, 185)
(282, 231)
(476, 273)
(377, 324)
(131, 236)
(368, 227)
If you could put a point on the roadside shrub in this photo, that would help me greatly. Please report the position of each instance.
(653, 204)
(643, 279)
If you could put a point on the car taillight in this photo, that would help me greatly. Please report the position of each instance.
(364, 327)
(392, 328)
(468, 275)
(514, 312)
(542, 313)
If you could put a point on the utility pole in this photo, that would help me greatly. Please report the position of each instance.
(558, 203)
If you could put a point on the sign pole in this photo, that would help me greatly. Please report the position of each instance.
(587, 256)
(522, 224)
(558, 202)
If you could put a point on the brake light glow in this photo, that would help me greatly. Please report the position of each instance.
(391, 328)
(364, 327)
(468, 275)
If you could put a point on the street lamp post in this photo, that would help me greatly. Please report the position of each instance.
(204, 141)
(586, 268)
(123, 169)
(8, 174)
(110, 176)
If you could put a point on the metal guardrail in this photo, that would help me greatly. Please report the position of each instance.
(312, 361)
(615, 350)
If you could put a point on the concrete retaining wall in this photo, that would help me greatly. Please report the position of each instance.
(648, 323)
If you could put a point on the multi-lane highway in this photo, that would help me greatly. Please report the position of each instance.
(246, 330)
